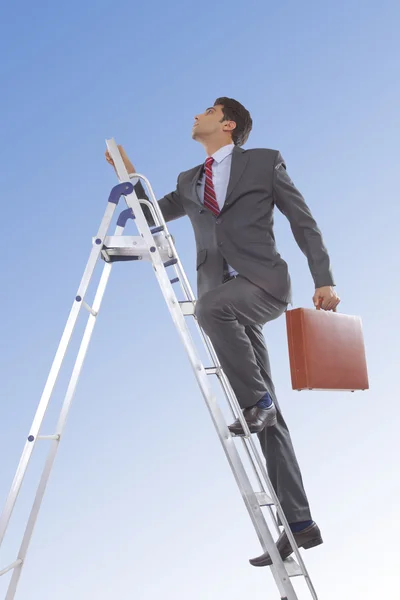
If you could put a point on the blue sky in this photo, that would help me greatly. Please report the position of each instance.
(140, 471)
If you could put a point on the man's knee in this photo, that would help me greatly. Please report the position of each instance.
(202, 311)
(207, 309)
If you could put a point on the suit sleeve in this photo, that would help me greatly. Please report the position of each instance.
(305, 230)
(171, 205)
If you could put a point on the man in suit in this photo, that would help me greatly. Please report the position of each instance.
(243, 282)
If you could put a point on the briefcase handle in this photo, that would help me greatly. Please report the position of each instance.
(318, 307)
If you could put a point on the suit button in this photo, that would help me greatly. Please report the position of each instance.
(218, 221)
(201, 210)
(219, 243)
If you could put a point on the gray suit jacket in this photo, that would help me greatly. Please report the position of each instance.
(243, 234)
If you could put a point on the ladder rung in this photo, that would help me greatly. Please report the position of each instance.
(264, 499)
(55, 436)
(171, 262)
(89, 308)
(213, 370)
(187, 307)
(16, 563)
(111, 256)
(240, 435)
(174, 280)
(157, 229)
(292, 568)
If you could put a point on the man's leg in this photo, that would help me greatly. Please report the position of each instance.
(224, 313)
(283, 468)
(231, 315)
(277, 447)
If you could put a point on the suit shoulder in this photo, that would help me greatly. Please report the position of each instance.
(190, 172)
(265, 153)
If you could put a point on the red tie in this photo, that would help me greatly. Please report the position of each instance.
(210, 199)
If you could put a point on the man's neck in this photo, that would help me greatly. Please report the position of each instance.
(213, 146)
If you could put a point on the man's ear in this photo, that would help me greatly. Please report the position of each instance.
(229, 125)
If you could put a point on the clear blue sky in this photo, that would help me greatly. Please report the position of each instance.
(140, 471)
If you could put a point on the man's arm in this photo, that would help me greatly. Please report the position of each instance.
(171, 205)
(307, 234)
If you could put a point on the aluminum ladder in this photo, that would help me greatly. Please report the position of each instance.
(155, 245)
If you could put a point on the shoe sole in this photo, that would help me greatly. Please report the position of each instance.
(307, 545)
(272, 423)
(312, 543)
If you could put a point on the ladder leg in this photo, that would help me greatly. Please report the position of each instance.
(16, 566)
(58, 359)
(59, 429)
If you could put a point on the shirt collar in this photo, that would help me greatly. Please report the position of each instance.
(223, 152)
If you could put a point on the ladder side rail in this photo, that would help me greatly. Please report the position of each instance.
(159, 219)
(233, 403)
(231, 397)
(256, 461)
(263, 482)
(249, 444)
(56, 365)
(278, 569)
(282, 516)
(19, 563)
(232, 400)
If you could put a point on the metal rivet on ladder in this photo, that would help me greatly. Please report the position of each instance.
(98, 241)
(78, 299)
(152, 248)
(31, 438)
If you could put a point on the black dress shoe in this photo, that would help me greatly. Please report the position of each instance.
(256, 418)
(308, 538)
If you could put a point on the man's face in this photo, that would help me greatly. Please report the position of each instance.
(208, 123)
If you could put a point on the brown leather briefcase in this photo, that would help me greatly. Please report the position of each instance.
(326, 350)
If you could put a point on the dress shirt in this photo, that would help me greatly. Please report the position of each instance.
(221, 171)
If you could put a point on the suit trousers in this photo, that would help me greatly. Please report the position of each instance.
(233, 315)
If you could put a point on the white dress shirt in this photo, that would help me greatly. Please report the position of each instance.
(221, 171)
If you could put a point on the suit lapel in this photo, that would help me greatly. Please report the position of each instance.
(195, 186)
(239, 162)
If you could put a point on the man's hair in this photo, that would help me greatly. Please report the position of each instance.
(234, 111)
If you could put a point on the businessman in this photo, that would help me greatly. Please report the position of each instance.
(243, 282)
